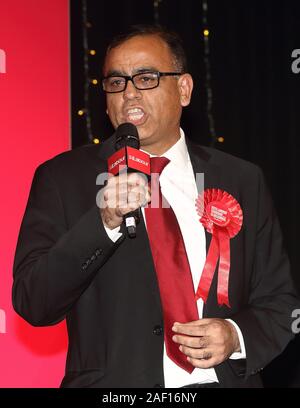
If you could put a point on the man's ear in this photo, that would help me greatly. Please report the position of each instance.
(185, 86)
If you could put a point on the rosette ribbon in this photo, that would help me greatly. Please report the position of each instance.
(221, 216)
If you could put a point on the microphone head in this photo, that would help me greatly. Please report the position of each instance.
(127, 135)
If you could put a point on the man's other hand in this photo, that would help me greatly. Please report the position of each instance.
(206, 342)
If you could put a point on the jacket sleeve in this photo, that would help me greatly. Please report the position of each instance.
(54, 265)
(266, 321)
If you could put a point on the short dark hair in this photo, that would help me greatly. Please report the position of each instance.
(172, 39)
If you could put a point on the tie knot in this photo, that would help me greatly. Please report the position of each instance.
(158, 164)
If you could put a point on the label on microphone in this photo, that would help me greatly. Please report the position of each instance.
(138, 160)
(116, 160)
(130, 222)
(134, 159)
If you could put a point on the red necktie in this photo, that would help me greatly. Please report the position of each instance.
(171, 264)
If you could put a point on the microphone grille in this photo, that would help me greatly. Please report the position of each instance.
(127, 135)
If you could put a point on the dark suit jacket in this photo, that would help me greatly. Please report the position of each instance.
(66, 266)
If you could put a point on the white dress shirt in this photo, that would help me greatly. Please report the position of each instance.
(179, 187)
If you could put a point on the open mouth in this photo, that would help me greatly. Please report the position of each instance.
(136, 116)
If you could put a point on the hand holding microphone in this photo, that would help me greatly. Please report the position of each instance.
(127, 188)
(122, 195)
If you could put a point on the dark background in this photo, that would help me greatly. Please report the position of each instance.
(255, 96)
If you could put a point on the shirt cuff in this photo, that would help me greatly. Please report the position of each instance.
(113, 234)
(242, 353)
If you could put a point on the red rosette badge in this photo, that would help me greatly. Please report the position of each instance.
(222, 216)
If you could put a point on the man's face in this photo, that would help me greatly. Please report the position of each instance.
(156, 112)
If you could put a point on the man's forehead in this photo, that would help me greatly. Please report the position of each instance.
(135, 70)
(139, 54)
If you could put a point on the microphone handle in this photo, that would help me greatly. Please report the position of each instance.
(131, 219)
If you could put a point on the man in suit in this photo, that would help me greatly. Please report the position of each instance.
(75, 259)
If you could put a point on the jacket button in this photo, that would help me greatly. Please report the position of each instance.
(158, 386)
(158, 330)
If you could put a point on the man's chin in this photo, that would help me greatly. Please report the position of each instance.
(143, 134)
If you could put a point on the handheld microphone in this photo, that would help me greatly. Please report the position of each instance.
(128, 157)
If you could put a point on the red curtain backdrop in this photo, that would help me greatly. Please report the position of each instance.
(34, 126)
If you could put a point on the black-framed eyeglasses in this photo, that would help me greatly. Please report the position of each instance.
(141, 81)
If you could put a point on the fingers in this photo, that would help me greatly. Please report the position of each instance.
(196, 353)
(127, 192)
(196, 328)
(206, 342)
(200, 358)
(200, 322)
(139, 195)
(131, 179)
(194, 342)
(121, 195)
(203, 363)
(205, 357)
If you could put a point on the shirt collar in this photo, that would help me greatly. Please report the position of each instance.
(178, 153)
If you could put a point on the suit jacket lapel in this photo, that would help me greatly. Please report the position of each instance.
(107, 148)
(201, 162)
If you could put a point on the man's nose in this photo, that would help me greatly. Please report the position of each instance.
(131, 92)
